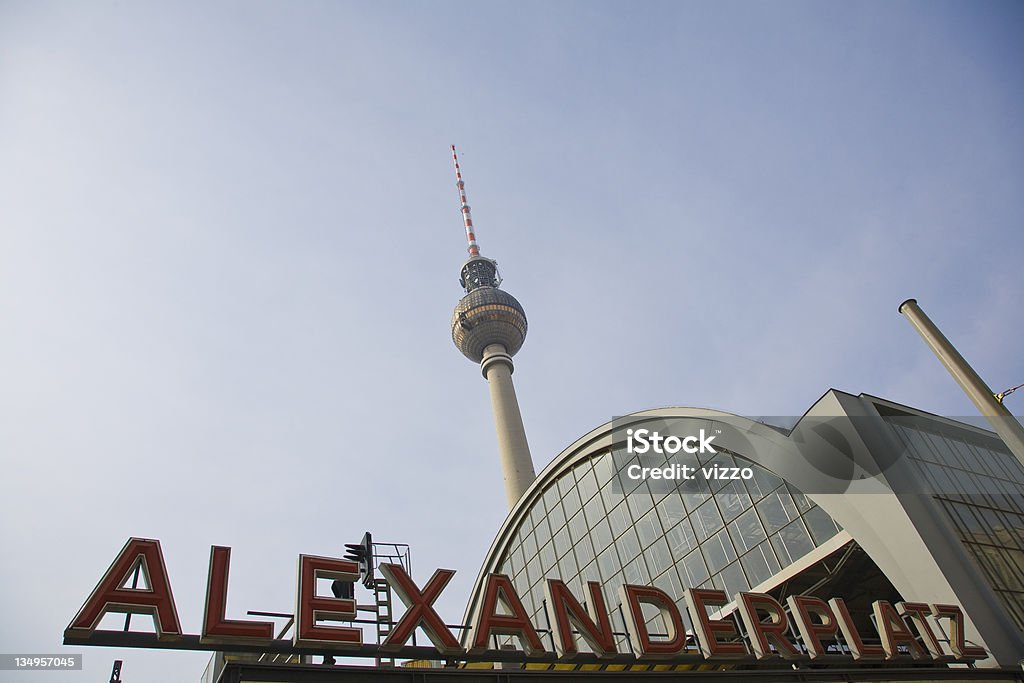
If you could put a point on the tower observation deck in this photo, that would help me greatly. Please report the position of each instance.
(489, 327)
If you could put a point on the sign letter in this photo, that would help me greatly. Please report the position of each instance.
(764, 634)
(419, 610)
(216, 627)
(636, 625)
(566, 612)
(311, 608)
(707, 629)
(803, 607)
(894, 631)
(851, 635)
(957, 641)
(515, 623)
(110, 595)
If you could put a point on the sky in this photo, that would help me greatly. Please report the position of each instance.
(230, 241)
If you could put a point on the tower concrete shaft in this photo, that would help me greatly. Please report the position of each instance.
(513, 449)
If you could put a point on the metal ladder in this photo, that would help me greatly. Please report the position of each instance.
(382, 600)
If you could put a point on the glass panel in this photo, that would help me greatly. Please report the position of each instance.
(551, 497)
(628, 545)
(796, 540)
(517, 557)
(612, 495)
(594, 510)
(619, 518)
(707, 520)
(658, 557)
(537, 597)
(670, 583)
(547, 557)
(527, 598)
(635, 572)
(696, 570)
(760, 564)
(608, 563)
(671, 510)
(802, 504)
(780, 550)
(591, 573)
(604, 468)
(556, 518)
(534, 573)
(587, 485)
(763, 483)
(1015, 525)
(732, 500)
(1006, 567)
(681, 539)
(734, 579)
(628, 484)
(567, 569)
(570, 498)
(521, 581)
(562, 542)
(969, 458)
(640, 503)
(601, 535)
(530, 546)
(526, 526)
(649, 529)
(820, 525)
(776, 511)
(578, 527)
(584, 551)
(718, 551)
(538, 517)
(747, 531)
(694, 492)
(566, 483)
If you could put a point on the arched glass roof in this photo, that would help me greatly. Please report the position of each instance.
(731, 535)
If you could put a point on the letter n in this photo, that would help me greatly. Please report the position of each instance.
(566, 613)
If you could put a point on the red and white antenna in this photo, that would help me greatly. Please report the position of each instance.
(474, 248)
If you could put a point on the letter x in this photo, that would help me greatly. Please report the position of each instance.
(419, 611)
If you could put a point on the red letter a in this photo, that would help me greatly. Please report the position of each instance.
(110, 596)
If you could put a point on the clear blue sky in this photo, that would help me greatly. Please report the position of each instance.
(230, 243)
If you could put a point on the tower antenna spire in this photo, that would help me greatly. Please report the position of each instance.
(474, 248)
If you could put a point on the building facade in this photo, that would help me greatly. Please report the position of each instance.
(863, 499)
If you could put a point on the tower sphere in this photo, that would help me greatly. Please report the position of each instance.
(485, 316)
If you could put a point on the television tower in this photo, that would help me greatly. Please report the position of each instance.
(489, 327)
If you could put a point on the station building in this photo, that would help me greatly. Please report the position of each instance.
(862, 499)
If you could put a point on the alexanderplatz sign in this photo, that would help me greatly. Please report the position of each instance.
(803, 633)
